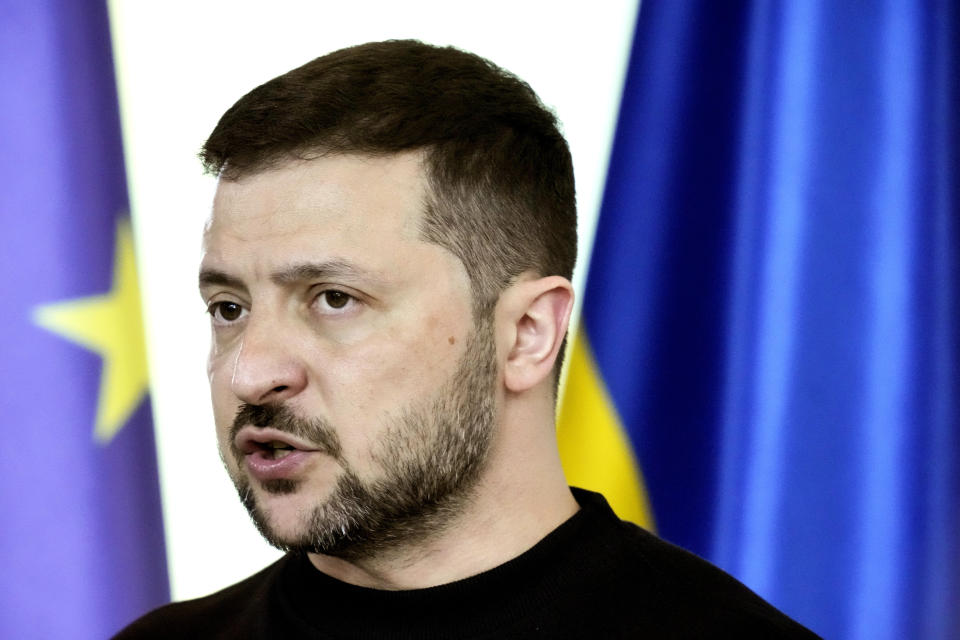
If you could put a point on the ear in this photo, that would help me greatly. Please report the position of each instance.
(533, 315)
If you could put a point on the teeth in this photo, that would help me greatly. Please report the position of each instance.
(277, 449)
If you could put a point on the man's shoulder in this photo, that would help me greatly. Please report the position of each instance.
(236, 611)
(664, 587)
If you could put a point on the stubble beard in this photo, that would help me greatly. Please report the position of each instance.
(430, 459)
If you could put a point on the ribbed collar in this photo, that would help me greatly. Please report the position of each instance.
(474, 607)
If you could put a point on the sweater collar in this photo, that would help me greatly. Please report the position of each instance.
(474, 604)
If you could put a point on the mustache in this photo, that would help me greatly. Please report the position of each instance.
(317, 431)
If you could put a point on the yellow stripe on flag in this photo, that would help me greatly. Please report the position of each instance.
(594, 448)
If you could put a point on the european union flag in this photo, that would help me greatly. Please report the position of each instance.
(770, 322)
(81, 543)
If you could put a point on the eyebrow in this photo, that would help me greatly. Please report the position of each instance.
(215, 277)
(292, 274)
(319, 270)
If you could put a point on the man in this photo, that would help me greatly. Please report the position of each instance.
(387, 270)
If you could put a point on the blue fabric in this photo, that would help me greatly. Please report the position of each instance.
(81, 540)
(772, 299)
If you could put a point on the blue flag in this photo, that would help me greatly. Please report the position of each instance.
(81, 544)
(772, 301)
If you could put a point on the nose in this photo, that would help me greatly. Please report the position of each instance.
(266, 369)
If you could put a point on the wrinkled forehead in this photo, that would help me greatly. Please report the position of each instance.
(330, 194)
(360, 211)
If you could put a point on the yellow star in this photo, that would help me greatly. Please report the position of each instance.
(111, 325)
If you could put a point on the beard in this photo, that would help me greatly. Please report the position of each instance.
(430, 458)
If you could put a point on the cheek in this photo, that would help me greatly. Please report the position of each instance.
(403, 365)
(224, 404)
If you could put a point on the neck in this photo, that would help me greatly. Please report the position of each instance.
(520, 498)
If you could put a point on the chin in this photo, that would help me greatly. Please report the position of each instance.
(279, 515)
(285, 522)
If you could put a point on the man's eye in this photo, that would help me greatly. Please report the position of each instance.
(336, 299)
(225, 311)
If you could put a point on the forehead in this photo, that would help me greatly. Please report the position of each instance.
(357, 212)
(335, 195)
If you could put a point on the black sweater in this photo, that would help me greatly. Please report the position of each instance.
(594, 576)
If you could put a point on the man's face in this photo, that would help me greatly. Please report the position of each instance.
(353, 395)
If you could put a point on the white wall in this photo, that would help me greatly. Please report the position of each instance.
(180, 65)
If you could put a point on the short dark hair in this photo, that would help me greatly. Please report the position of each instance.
(500, 178)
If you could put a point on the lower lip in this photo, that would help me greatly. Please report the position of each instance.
(265, 467)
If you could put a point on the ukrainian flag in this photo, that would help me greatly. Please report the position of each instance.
(766, 366)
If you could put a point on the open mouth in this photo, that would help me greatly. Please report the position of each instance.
(271, 454)
(275, 449)
(268, 444)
